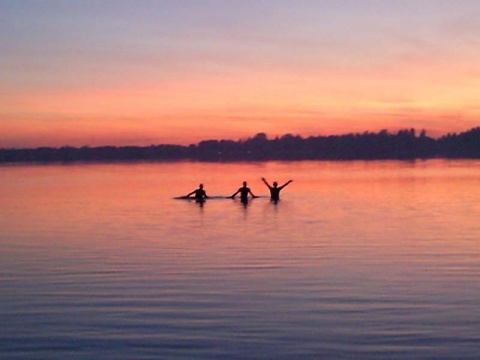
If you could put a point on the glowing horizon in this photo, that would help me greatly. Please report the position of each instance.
(124, 73)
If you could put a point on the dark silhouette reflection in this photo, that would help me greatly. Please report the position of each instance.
(244, 191)
(244, 203)
(275, 189)
(198, 194)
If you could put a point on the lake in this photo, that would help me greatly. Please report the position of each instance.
(358, 260)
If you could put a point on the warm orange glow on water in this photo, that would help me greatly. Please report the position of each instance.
(82, 195)
(396, 242)
(363, 260)
(364, 212)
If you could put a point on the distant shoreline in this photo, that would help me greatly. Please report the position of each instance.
(383, 145)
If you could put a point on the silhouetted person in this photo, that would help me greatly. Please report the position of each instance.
(275, 189)
(244, 191)
(199, 194)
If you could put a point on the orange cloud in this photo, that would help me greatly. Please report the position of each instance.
(279, 100)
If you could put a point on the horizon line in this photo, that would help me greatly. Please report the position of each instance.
(390, 132)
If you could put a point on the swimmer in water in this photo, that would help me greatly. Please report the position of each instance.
(244, 191)
(275, 189)
(199, 194)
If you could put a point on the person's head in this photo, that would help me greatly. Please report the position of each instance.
(200, 186)
(244, 184)
(275, 184)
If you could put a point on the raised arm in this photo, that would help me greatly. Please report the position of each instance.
(288, 182)
(266, 183)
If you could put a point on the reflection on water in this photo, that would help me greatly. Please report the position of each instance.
(360, 260)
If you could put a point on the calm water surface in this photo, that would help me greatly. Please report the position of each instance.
(359, 260)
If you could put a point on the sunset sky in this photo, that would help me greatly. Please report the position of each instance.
(117, 72)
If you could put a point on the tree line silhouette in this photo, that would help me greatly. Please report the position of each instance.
(402, 145)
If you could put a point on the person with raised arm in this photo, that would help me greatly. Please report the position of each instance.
(275, 189)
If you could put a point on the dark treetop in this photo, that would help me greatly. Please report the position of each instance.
(403, 145)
